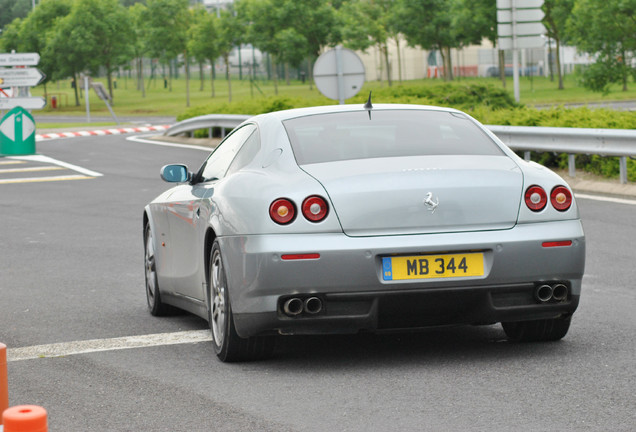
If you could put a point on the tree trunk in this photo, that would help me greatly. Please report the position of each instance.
(502, 67)
(201, 77)
(399, 56)
(77, 103)
(187, 74)
(109, 77)
(558, 64)
(385, 51)
(141, 77)
(212, 77)
(227, 76)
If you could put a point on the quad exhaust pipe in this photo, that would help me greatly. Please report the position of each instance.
(295, 306)
(555, 293)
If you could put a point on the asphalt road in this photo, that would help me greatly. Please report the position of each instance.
(71, 269)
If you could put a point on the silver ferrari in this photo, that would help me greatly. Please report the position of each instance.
(342, 219)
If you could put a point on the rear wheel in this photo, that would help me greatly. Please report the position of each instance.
(537, 330)
(228, 345)
(153, 297)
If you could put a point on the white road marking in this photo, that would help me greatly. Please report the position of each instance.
(45, 179)
(98, 345)
(166, 144)
(607, 199)
(46, 159)
(11, 162)
(31, 169)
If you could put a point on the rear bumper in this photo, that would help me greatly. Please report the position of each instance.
(348, 279)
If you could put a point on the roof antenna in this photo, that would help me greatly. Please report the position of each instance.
(369, 106)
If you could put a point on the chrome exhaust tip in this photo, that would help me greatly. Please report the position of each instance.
(560, 292)
(293, 307)
(543, 293)
(313, 305)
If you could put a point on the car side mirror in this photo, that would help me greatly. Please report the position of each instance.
(175, 173)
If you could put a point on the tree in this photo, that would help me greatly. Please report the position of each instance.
(370, 22)
(203, 42)
(36, 29)
(95, 34)
(231, 33)
(474, 21)
(167, 24)
(429, 24)
(12, 9)
(557, 13)
(607, 30)
(286, 28)
(69, 50)
(137, 12)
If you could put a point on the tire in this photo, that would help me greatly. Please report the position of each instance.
(228, 345)
(537, 331)
(153, 296)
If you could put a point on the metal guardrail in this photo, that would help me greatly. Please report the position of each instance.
(222, 121)
(605, 142)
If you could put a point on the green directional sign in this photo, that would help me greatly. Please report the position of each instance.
(17, 133)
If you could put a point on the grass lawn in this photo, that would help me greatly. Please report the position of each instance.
(160, 101)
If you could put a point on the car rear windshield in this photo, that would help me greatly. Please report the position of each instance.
(385, 133)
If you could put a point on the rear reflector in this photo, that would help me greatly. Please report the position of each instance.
(557, 243)
(308, 256)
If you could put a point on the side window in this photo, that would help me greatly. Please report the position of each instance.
(219, 161)
(246, 153)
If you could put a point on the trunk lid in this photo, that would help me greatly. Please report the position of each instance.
(422, 194)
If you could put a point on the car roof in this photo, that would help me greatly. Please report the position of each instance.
(332, 109)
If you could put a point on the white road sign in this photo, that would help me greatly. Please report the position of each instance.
(521, 15)
(19, 59)
(522, 42)
(521, 29)
(339, 74)
(20, 77)
(24, 102)
(508, 4)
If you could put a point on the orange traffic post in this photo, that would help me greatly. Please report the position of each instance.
(25, 418)
(4, 381)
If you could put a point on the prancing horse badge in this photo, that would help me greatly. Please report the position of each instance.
(430, 204)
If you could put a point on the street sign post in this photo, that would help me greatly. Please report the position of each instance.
(24, 77)
(519, 26)
(34, 102)
(19, 59)
(339, 74)
(17, 133)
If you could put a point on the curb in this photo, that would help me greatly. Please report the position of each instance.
(100, 132)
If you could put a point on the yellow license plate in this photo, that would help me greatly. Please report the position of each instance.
(433, 266)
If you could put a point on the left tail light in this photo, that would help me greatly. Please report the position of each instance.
(282, 211)
(314, 209)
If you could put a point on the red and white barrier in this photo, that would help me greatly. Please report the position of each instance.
(100, 132)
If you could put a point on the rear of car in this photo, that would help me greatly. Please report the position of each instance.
(416, 217)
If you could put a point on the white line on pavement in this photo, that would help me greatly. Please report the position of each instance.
(44, 179)
(166, 144)
(98, 345)
(607, 199)
(46, 159)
